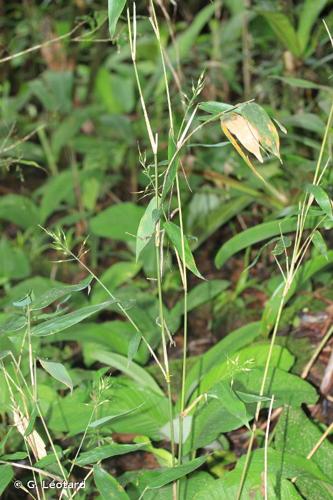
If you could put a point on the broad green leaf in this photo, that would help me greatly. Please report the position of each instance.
(284, 30)
(118, 274)
(174, 233)
(287, 388)
(115, 8)
(133, 346)
(106, 451)
(246, 359)
(14, 263)
(305, 272)
(286, 464)
(319, 243)
(164, 457)
(256, 234)
(146, 227)
(115, 335)
(152, 413)
(321, 198)
(309, 16)
(223, 412)
(230, 344)
(13, 324)
(223, 392)
(281, 467)
(6, 476)
(206, 213)
(51, 458)
(56, 190)
(118, 222)
(70, 416)
(115, 91)
(290, 424)
(19, 455)
(166, 476)
(57, 293)
(188, 486)
(57, 371)
(66, 132)
(93, 353)
(60, 323)
(19, 210)
(24, 302)
(201, 294)
(309, 487)
(54, 90)
(108, 486)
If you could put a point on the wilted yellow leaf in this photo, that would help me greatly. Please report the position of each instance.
(246, 134)
(34, 440)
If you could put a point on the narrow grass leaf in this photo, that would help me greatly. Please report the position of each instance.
(256, 234)
(115, 8)
(146, 227)
(215, 107)
(121, 363)
(308, 17)
(301, 83)
(174, 233)
(60, 323)
(320, 244)
(173, 165)
(172, 474)
(321, 198)
(57, 371)
(108, 418)
(57, 293)
(107, 451)
(283, 29)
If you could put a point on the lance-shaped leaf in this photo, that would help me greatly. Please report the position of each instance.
(174, 233)
(173, 164)
(146, 226)
(57, 371)
(115, 8)
(55, 294)
(321, 198)
(65, 321)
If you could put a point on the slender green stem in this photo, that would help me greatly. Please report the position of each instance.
(161, 311)
(48, 151)
(158, 243)
(247, 462)
(185, 323)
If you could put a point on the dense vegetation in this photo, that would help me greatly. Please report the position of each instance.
(165, 263)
